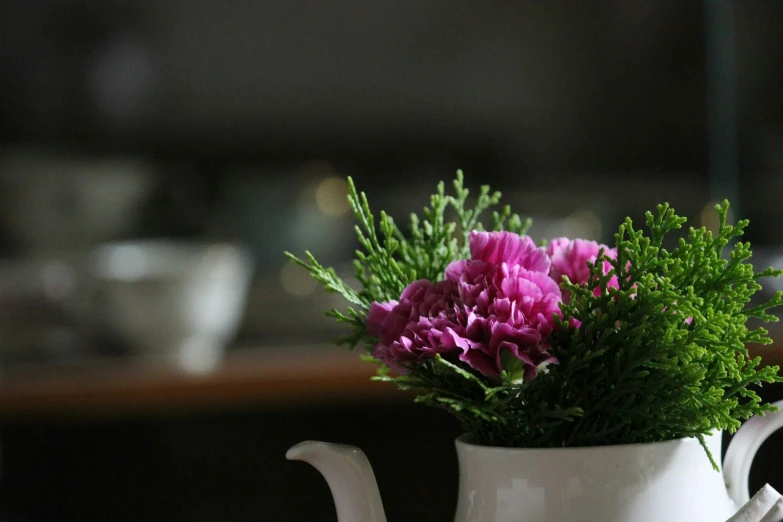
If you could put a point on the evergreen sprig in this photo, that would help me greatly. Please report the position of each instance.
(388, 260)
(660, 356)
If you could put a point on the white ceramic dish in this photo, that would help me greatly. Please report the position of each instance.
(183, 301)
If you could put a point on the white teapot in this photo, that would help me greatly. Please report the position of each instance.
(671, 481)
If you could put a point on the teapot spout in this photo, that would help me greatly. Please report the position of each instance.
(350, 478)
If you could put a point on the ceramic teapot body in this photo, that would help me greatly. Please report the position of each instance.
(671, 480)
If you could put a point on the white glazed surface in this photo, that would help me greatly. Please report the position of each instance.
(350, 478)
(670, 481)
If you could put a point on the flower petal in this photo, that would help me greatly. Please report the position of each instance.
(507, 247)
(376, 315)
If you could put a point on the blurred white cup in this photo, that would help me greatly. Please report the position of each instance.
(177, 300)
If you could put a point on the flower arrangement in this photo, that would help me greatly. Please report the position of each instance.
(567, 343)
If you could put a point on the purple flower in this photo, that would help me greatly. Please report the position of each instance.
(506, 247)
(498, 306)
(535, 296)
(398, 321)
(570, 258)
(518, 318)
(421, 340)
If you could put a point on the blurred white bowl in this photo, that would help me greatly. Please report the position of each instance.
(182, 301)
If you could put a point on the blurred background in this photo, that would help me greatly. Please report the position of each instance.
(157, 352)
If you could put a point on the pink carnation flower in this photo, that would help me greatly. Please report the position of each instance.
(505, 247)
(396, 323)
(507, 308)
(501, 300)
(501, 247)
(570, 258)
